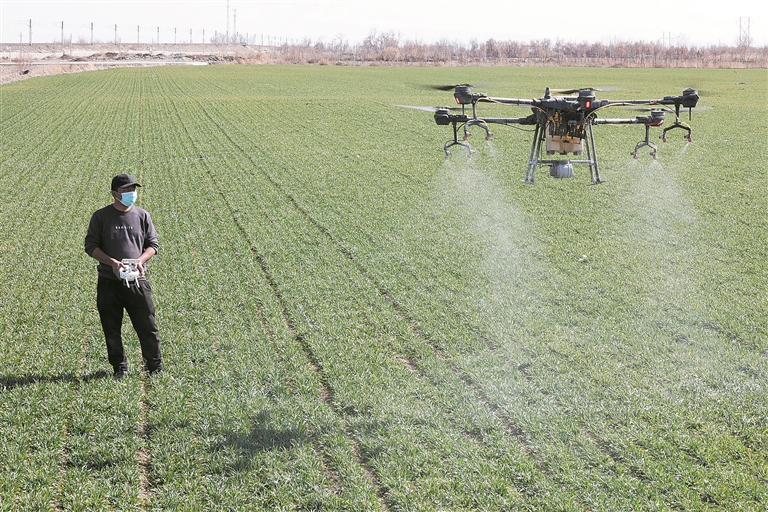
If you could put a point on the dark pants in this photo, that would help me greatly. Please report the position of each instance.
(112, 298)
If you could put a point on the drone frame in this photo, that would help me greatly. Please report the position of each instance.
(535, 159)
(565, 123)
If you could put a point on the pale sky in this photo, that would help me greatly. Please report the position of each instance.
(687, 22)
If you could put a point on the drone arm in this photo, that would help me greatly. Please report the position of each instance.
(530, 120)
(689, 99)
(617, 121)
(509, 101)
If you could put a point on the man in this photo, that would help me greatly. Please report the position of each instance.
(120, 231)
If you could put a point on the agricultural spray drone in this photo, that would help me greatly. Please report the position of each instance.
(563, 124)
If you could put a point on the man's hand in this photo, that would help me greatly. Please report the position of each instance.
(117, 266)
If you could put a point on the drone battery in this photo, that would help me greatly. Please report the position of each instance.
(562, 169)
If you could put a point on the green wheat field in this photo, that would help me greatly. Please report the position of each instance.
(352, 322)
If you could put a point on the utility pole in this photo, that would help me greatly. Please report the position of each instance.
(190, 36)
(137, 33)
(91, 33)
(745, 41)
(235, 20)
(227, 39)
(744, 38)
(62, 33)
(158, 35)
(174, 36)
(115, 34)
(30, 32)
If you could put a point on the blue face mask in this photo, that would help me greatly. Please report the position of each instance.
(128, 198)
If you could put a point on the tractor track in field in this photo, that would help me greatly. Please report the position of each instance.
(328, 469)
(327, 395)
(65, 454)
(508, 425)
(603, 446)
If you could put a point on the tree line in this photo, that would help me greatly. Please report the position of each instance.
(387, 48)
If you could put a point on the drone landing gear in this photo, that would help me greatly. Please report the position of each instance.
(456, 142)
(646, 143)
(680, 125)
(562, 168)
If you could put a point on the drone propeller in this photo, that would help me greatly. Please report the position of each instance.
(665, 109)
(590, 89)
(649, 109)
(574, 91)
(428, 109)
(446, 87)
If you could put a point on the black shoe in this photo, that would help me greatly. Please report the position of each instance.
(119, 374)
(155, 372)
